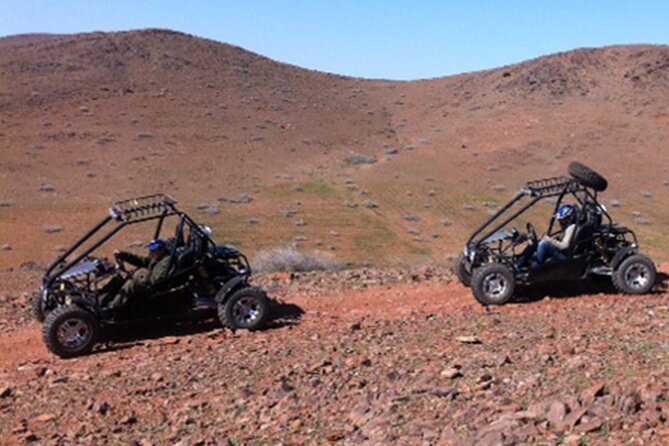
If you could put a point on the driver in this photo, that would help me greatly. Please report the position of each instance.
(157, 264)
(555, 247)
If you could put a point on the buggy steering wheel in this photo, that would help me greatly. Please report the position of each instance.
(120, 265)
(532, 232)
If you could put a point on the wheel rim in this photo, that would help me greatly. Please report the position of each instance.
(637, 276)
(74, 333)
(246, 311)
(495, 286)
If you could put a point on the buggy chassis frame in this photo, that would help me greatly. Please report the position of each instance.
(539, 190)
(125, 213)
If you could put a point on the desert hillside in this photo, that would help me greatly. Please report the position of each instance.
(372, 171)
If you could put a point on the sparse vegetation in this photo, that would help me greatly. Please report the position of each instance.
(358, 158)
(290, 259)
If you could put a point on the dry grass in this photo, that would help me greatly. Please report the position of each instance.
(291, 259)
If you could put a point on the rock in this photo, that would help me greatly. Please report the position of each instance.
(589, 426)
(6, 204)
(44, 418)
(369, 204)
(6, 247)
(5, 391)
(243, 199)
(358, 158)
(170, 340)
(588, 395)
(572, 440)
(556, 414)
(451, 373)
(53, 229)
(468, 339)
(411, 218)
(210, 210)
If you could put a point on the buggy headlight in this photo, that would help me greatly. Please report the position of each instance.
(62, 286)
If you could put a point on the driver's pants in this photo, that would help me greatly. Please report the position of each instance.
(546, 250)
(119, 291)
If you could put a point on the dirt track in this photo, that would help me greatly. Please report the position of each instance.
(384, 365)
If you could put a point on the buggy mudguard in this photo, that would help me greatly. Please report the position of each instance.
(82, 302)
(228, 287)
(622, 255)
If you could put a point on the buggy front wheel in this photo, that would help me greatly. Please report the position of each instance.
(37, 306)
(247, 308)
(493, 284)
(462, 270)
(70, 331)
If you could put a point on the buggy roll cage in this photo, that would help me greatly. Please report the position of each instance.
(124, 213)
(538, 190)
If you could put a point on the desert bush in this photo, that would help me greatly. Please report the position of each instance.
(293, 260)
(358, 158)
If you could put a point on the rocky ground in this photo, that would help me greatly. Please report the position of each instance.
(359, 357)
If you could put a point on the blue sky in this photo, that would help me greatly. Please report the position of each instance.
(373, 38)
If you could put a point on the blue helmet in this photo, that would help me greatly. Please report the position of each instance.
(157, 245)
(566, 212)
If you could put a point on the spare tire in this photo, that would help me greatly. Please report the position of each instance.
(588, 177)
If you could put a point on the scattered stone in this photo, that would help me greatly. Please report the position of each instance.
(243, 199)
(451, 373)
(468, 339)
(6, 204)
(53, 229)
(414, 218)
(6, 247)
(300, 223)
(5, 391)
(209, 210)
(369, 204)
(350, 204)
(47, 188)
(468, 207)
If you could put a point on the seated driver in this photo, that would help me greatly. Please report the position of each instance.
(157, 264)
(552, 247)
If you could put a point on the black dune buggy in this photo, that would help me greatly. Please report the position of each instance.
(204, 280)
(494, 260)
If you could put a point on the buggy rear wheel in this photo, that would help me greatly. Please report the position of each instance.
(247, 308)
(70, 331)
(462, 270)
(635, 275)
(493, 284)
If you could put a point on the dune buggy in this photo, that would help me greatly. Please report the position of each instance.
(493, 261)
(204, 281)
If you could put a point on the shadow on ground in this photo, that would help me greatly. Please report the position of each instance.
(121, 337)
(581, 288)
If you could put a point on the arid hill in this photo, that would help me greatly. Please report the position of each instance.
(373, 171)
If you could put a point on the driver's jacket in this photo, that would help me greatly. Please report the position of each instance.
(565, 239)
(158, 268)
